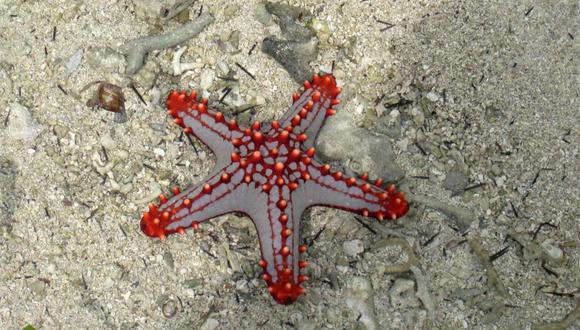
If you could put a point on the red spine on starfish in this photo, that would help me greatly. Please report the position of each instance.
(271, 176)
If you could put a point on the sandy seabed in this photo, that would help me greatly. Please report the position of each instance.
(493, 99)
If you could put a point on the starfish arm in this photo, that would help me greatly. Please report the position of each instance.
(277, 222)
(218, 194)
(332, 189)
(206, 124)
(311, 108)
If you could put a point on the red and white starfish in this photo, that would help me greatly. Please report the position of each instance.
(272, 177)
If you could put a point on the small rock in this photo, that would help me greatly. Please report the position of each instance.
(107, 141)
(223, 68)
(230, 10)
(353, 248)
(262, 15)
(210, 324)
(260, 100)
(234, 41)
(21, 125)
(242, 286)
(145, 78)
(456, 180)
(60, 131)
(552, 251)
(433, 97)
(284, 10)
(321, 29)
(418, 116)
(37, 287)
(500, 181)
(207, 78)
(159, 152)
(74, 61)
(168, 258)
(348, 49)
(307, 325)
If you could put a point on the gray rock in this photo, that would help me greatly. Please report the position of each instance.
(456, 180)
(307, 325)
(300, 46)
(74, 61)
(340, 140)
(210, 324)
(262, 15)
(293, 31)
(234, 41)
(284, 10)
(294, 56)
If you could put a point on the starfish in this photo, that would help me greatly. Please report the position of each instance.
(270, 175)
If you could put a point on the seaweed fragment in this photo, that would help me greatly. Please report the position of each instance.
(462, 218)
(493, 280)
(566, 323)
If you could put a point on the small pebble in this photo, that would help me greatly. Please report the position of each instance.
(456, 180)
(433, 97)
(260, 100)
(321, 29)
(21, 125)
(207, 78)
(262, 15)
(242, 286)
(223, 68)
(552, 250)
(74, 61)
(210, 324)
(159, 152)
(37, 287)
(230, 10)
(353, 248)
(107, 141)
